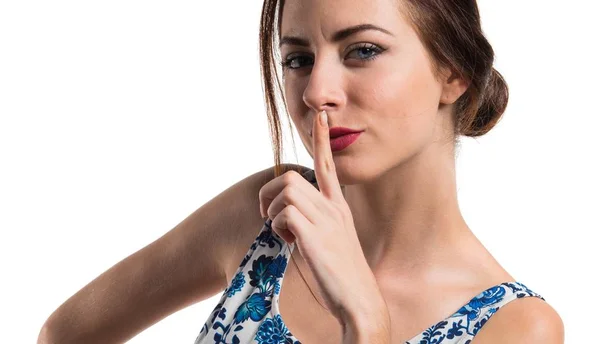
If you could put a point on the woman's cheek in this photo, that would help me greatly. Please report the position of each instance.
(402, 104)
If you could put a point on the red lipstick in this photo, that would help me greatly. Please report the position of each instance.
(340, 137)
(339, 131)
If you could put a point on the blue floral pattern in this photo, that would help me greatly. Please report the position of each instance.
(464, 324)
(248, 311)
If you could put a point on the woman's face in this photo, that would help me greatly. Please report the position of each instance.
(371, 80)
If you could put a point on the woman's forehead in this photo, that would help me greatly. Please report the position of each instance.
(307, 17)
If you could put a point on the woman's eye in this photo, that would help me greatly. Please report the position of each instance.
(364, 52)
(367, 52)
(292, 62)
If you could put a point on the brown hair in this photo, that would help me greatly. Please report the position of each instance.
(450, 31)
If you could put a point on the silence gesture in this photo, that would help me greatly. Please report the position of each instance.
(320, 224)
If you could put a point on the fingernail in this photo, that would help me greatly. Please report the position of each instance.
(323, 117)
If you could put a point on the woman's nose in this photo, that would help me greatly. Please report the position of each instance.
(325, 87)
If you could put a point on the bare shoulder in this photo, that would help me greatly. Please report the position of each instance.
(527, 320)
(249, 222)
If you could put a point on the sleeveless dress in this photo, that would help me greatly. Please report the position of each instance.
(248, 311)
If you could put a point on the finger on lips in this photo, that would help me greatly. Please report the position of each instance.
(323, 160)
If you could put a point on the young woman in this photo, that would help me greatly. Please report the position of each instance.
(372, 241)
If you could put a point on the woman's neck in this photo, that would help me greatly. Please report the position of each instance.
(409, 216)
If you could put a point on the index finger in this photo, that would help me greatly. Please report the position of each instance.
(323, 157)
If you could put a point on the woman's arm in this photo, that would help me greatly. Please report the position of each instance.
(185, 266)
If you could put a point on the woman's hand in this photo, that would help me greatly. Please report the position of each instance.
(320, 223)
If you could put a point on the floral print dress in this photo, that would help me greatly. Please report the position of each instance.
(248, 311)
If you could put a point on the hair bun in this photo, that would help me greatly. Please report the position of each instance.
(491, 105)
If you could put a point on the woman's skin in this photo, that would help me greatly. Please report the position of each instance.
(399, 176)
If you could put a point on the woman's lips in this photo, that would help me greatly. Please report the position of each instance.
(340, 137)
(341, 142)
(339, 131)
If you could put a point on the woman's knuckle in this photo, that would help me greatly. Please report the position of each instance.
(289, 177)
(288, 193)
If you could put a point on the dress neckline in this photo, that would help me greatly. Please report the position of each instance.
(474, 301)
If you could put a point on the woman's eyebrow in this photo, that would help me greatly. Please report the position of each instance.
(338, 36)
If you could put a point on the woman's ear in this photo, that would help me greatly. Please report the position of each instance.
(452, 88)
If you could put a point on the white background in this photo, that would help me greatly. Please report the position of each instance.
(120, 118)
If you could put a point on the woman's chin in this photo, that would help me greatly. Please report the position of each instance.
(348, 171)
